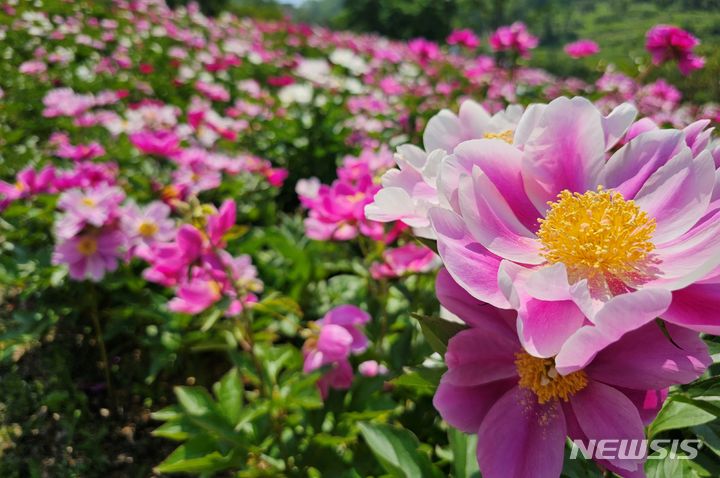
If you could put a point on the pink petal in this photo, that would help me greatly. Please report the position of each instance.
(501, 163)
(478, 357)
(520, 438)
(465, 407)
(493, 224)
(565, 151)
(472, 266)
(620, 315)
(604, 413)
(677, 195)
(628, 169)
(661, 364)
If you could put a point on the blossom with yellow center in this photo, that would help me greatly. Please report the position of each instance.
(147, 229)
(87, 245)
(540, 376)
(597, 234)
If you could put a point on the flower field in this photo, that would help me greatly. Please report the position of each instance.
(237, 247)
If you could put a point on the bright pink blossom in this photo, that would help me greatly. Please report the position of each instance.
(159, 143)
(464, 37)
(339, 336)
(553, 224)
(523, 408)
(581, 48)
(514, 38)
(670, 43)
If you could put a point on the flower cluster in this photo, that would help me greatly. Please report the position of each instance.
(670, 43)
(561, 250)
(514, 38)
(334, 338)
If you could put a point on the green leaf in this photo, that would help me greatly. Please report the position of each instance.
(678, 414)
(229, 392)
(669, 468)
(196, 456)
(195, 400)
(438, 332)
(422, 380)
(397, 451)
(704, 388)
(464, 449)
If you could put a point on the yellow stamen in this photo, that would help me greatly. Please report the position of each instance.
(88, 201)
(147, 229)
(87, 246)
(20, 186)
(540, 376)
(596, 234)
(506, 136)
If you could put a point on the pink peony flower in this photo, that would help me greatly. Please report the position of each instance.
(550, 225)
(146, 226)
(523, 408)
(410, 191)
(80, 152)
(408, 259)
(581, 48)
(670, 43)
(93, 207)
(464, 37)
(514, 38)
(28, 183)
(425, 51)
(339, 336)
(91, 254)
(159, 143)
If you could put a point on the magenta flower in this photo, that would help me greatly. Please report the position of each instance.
(514, 38)
(90, 255)
(424, 50)
(337, 211)
(464, 37)
(80, 152)
(522, 407)
(550, 225)
(581, 48)
(339, 336)
(28, 183)
(670, 43)
(159, 143)
(407, 259)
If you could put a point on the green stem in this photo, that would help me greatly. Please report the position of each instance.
(94, 315)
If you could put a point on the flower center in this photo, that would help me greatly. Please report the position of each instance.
(147, 229)
(20, 186)
(88, 201)
(596, 234)
(506, 136)
(87, 246)
(540, 376)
